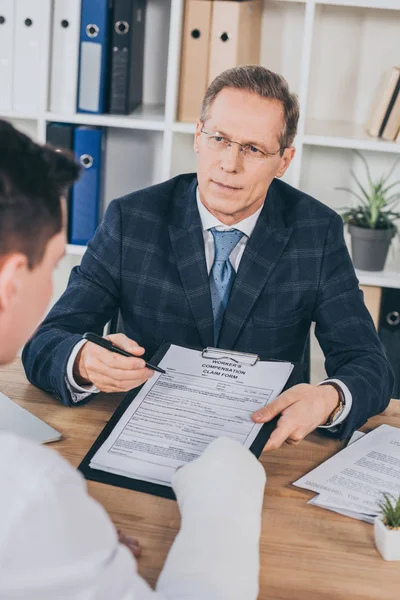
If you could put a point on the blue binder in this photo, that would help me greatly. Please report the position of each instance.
(94, 56)
(85, 200)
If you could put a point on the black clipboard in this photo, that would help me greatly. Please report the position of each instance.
(153, 488)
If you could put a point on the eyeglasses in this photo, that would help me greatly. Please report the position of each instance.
(218, 142)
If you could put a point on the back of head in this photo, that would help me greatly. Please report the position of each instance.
(33, 178)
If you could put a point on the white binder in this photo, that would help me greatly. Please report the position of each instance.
(6, 53)
(65, 56)
(32, 34)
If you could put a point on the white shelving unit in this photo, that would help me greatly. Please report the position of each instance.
(333, 54)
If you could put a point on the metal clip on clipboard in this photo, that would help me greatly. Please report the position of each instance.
(240, 358)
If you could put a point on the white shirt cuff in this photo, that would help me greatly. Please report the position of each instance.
(348, 401)
(78, 392)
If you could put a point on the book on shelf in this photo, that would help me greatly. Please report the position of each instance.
(392, 126)
(380, 122)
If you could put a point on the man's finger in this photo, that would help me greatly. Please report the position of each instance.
(275, 408)
(122, 341)
(122, 376)
(114, 361)
(292, 442)
(107, 384)
(280, 434)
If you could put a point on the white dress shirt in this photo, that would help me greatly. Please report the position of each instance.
(208, 221)
(58, 543)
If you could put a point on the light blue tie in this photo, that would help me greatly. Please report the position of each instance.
(222, 274)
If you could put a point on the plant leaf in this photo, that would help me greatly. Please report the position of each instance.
(392, 168)
(389, 187)
(364, 160)
(353, 193)
(359, 185)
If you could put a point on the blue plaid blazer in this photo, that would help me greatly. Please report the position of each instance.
(147, 260)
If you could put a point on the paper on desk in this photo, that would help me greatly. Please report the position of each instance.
(356, 477)
(320, 501)
(324, 500)
(357, 435)
(175, 416)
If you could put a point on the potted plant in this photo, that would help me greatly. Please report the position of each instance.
(387, 529)
(371, 223)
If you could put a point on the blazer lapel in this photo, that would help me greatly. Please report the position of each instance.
(262, 252)
(186, 237)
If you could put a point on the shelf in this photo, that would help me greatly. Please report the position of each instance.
(384, 4)
(14, 115)
(179, 127)
(148, 117)
(75, 250)
(385, 279)
(342, 134)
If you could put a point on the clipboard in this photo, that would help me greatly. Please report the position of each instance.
(158, 489)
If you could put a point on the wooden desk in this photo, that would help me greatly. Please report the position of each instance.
(307, 553)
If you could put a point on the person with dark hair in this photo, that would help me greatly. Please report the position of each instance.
(33, 181)
(230, 257)
(55, 540)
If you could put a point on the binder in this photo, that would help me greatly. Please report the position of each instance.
(389, 332)
(392, 125)
(61, 137)
(7, 15)
(158, 489)
(383, 104)
(195, 57)
(85, 201)
(235, 35)
(93, 56)
(127, 55)
(65, 56)
(32, 28)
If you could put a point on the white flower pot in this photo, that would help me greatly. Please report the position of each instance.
(387, 540)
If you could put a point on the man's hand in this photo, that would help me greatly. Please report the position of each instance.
(108, 371)
(302, 408)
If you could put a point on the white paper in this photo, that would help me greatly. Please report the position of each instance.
(340, 506)
(320, 501)
(357, 435)
(175, 416)
(356, 477)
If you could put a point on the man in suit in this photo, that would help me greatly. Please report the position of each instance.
(231, 257)
(55, 540)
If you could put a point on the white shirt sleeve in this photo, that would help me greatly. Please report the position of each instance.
(78, 392)
(216, 552)
(348, 401)
(58, 542)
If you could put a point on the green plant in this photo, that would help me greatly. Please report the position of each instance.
(376, 203)
(391, 512)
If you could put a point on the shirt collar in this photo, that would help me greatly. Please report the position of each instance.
(208, 220)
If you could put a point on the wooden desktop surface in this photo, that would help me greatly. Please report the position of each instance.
(307, 553)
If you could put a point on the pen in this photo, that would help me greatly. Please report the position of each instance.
(108, 345)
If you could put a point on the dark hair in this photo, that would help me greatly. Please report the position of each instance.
(32, 180)
(264, 83)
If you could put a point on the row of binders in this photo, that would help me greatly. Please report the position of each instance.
(84, 199)
(384, 121)
(96, 55)
(217, 35)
